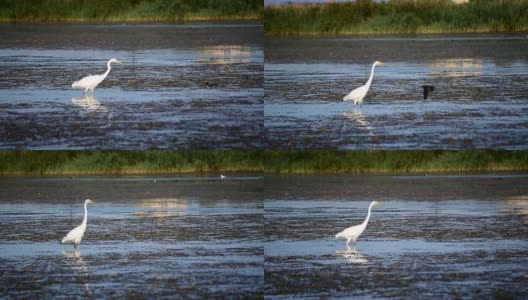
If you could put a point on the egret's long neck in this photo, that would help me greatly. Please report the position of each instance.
(110, 68)
(368, 215)
(371, 75)
(85, 220)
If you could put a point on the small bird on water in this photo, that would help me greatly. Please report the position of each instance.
(211, 84)
(427, 89)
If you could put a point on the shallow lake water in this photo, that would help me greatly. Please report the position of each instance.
(164, 237)
(182, 86)
(480, 98)
(435, 236)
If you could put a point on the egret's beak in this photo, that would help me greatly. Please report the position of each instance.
(119, 62)
(382, 63)
(379, 203)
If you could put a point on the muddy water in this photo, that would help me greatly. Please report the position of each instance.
(186, 86)
(480, 98)
(434, 236)
(189, 237)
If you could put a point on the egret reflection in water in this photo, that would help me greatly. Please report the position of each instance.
(89, 102)
(357, 117)
(79, 267)
(352, 255)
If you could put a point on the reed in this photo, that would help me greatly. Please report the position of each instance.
(129, 10)
(397, 17)
(270, 161)
(308, 162)
(127, 162)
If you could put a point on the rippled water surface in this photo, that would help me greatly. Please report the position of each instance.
(480, 98)
(188, 237)
(434, 237)
(182, 86)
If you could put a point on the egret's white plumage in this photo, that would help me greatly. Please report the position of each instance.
(90, 82)
(358, 94)
(222, 176)
(352, 233)
(76, 234)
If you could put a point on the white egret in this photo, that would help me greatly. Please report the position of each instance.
(352, 233)
(76, 234)
(358, 94)
(90, 82)
(222, 176)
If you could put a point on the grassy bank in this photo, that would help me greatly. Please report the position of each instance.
(126, 162)
(397, 16)
(129, 10)
(295, 162)
(307, 162)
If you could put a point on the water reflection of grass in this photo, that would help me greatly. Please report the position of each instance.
(130, 10)
(397, 16)
(394, 161)
(127, 162)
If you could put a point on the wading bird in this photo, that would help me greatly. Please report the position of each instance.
(76, 234)
(222, 176)
(358, 94)
(90, 82)
(352, 233)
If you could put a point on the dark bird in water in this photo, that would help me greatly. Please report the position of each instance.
(427, 90)
(211, 84)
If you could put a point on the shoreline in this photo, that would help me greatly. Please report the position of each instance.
(434, 172)
(131, 20)
(388, 33)
(429, 172)
(262, 161)
(128, 173)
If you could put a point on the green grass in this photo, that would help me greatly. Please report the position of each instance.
(306, 162)
(127, 162)
(397, 17)
(129, 10)
(295, 162)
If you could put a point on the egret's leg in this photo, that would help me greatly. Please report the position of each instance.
(75, 246)
(348, 241)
